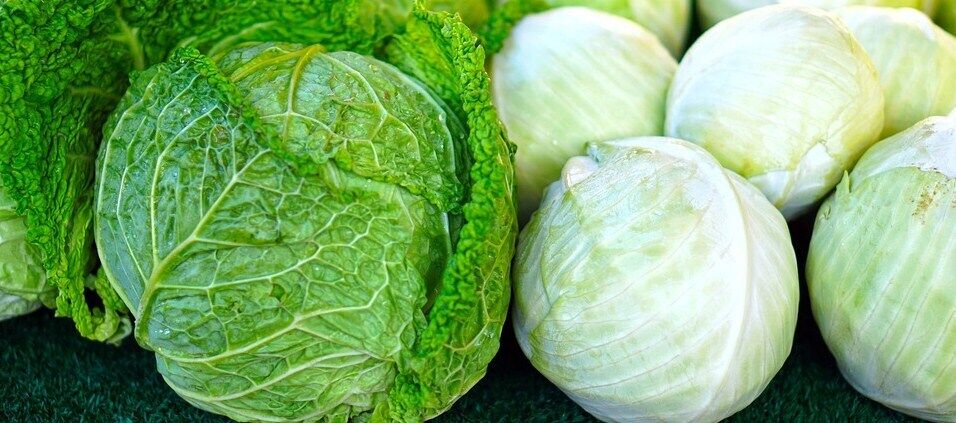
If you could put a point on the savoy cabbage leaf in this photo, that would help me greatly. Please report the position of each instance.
(64, 65)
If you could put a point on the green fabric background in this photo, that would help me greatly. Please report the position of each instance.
(50, 374)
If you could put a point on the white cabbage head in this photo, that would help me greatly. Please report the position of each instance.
(918, 84)
(669, 20)
(785, 96)
(574, 75)
(882, 271)
(713, 11)
(655, 285)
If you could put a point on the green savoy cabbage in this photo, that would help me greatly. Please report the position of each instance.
(307, 206)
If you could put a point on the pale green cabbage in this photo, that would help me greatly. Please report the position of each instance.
(882, 271)
(785, 96)
(713, 11)
(573, 75)
(668, 19)
(654, 285)
(915, 58)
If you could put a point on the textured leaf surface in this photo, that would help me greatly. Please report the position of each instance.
(257, 286)
(464, 326)
(306, 235)
(63, 67)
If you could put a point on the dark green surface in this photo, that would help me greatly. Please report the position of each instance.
(49, 374)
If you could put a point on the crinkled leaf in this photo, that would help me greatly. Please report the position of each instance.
(63, 67)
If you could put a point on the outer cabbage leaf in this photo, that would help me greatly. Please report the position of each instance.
(785, 96)
(299, 239)
(713, 11)
(573, 75)
(267, 294)
(654, 285)
(64, 66)
(881, 271)
(918, 84)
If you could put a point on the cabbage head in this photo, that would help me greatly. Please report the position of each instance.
(655, 285)
(918, 84)
(785, 96)
(882, 269)
(313, 232)
(669, 20)
(22, 278)
(713, 11)
(573, 75)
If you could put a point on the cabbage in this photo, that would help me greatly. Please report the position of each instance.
(295, 230)
(713, 11)
(654, 285)
(668, 19)
(573, 75)
(325, 234)
(784, 95)
(22, 278)
(918, 84)
(882, 267)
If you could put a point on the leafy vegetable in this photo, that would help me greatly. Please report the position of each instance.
(669, 20)
(438, 156)
(713, 11)
(654, 285)
(573, 75)
(783, 95)
(64, 67)
(918, 84)
(22, 279)
(881, 269)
